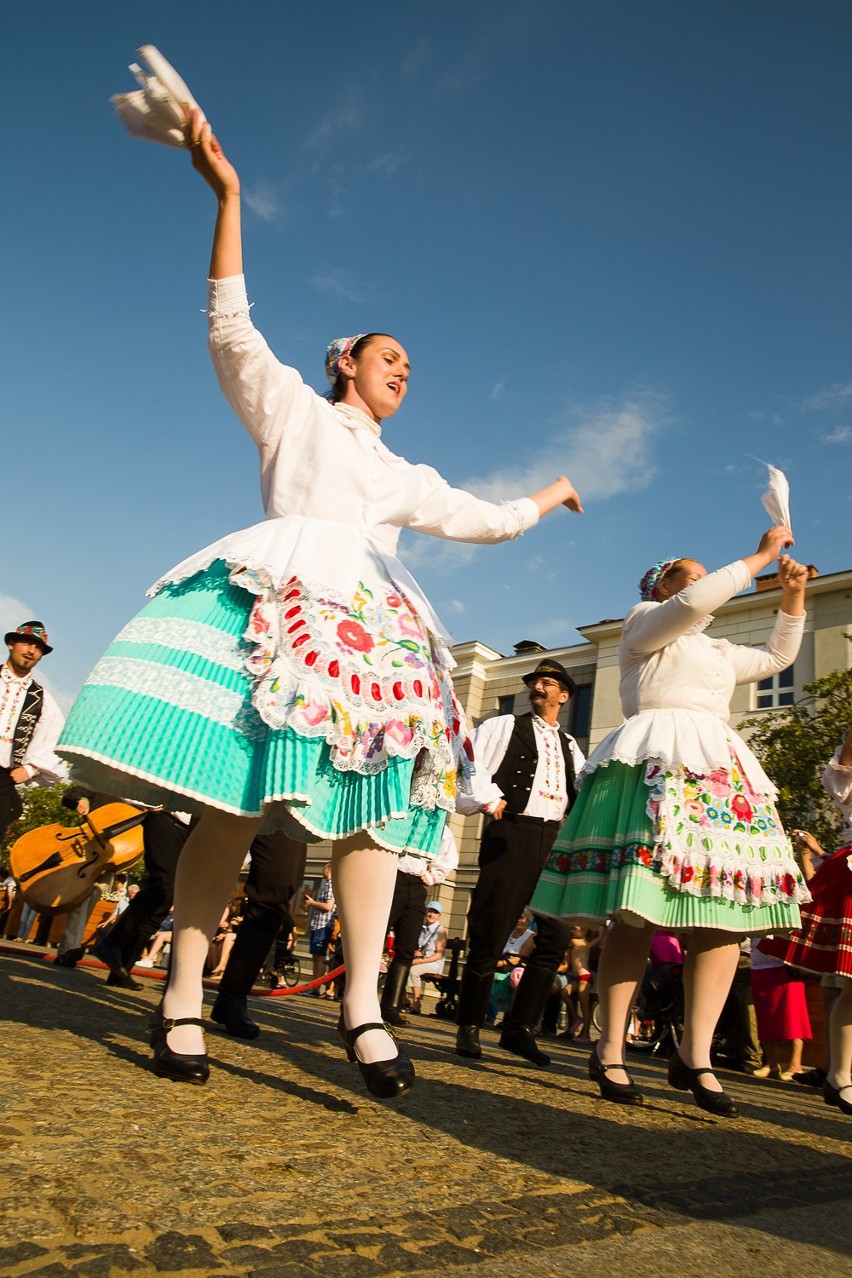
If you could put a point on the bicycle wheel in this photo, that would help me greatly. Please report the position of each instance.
(291, 971)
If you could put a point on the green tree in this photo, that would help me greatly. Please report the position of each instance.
(795, 744)
(42, 806)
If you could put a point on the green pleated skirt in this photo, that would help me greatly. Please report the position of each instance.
(614, 857)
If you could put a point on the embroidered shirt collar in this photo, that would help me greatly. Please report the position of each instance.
(543, 724)
(357, 417)
(9, 675)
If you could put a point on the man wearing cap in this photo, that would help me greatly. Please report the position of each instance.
(524, 781)
(429, 955)
(30, 721)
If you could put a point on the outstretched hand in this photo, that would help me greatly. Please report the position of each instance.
(208, 158)
(572, 501)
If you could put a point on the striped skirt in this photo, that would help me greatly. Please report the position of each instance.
(327, 716)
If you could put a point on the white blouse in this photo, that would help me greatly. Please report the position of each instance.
(334, 494)
(677, 682)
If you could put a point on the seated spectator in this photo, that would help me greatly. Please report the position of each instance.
(224, 937)
(429, 955)
(158, 940)
(510, 966)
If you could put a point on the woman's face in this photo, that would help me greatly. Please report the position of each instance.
(679, 577)
(377, 377)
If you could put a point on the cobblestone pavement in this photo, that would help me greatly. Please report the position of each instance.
(283, 1166)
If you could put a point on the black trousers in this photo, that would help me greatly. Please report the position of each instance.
(512, 855)
(164, 838)
(275, 874)
(10, 802)
(408, 909)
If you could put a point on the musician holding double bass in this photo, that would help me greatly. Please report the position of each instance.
(30, 721)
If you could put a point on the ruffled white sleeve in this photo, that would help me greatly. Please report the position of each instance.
(456, 515)
(651, 626)
(263, 392)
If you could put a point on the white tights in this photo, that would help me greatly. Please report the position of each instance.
(363, 876)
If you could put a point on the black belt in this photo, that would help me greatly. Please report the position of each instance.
(530, 820)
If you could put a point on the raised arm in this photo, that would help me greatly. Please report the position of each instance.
(654, 625)
(209, 160)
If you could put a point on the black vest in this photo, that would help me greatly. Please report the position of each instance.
(26, 725)
(516, 772)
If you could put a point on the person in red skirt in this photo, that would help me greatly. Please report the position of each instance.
(824, 941)
(781, 1009)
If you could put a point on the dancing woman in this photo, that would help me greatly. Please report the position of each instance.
(293, 673)
(675, 824)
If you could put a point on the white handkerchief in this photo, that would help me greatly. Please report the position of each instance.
(155, 112)
(776, 499)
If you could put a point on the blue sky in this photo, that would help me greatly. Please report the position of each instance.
(614, 238)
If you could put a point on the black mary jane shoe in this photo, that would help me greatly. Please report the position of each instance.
(834, 1096)
(180, 1067)
(685, 1079)
(384, 1079)
(621, 1093)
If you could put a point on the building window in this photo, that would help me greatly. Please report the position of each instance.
(506, 705)
(776, 691)
(580, 707)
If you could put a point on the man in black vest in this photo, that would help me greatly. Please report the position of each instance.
(30, 721)
(525, 770)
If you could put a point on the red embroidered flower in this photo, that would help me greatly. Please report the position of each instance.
(354, 636)
(687, 874)
(741, 807)
(393, 601)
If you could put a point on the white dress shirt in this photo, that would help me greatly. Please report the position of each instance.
(40, 757)
(837, 782)
(490, 743)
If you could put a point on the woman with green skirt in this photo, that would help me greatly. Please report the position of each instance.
(675, 825)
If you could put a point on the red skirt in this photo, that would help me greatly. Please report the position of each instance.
(824, 941)
(779, 1004)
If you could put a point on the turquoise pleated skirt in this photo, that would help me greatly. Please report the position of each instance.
(675, 850)
(168, 716)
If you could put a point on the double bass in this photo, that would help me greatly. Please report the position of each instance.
(55, 866)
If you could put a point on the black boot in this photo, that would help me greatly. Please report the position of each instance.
(518, 1033)
(474, 997)
(393, 992)
(231, 1010)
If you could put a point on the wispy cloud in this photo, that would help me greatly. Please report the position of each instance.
(835, 396)
(433, 553)
(606, 448)
(388, 163)
(263, 201)
(416, 59)
(337, 282)
(499, 391)
(774, 419)
(346, 116)
(840, 435)
(454, 607)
